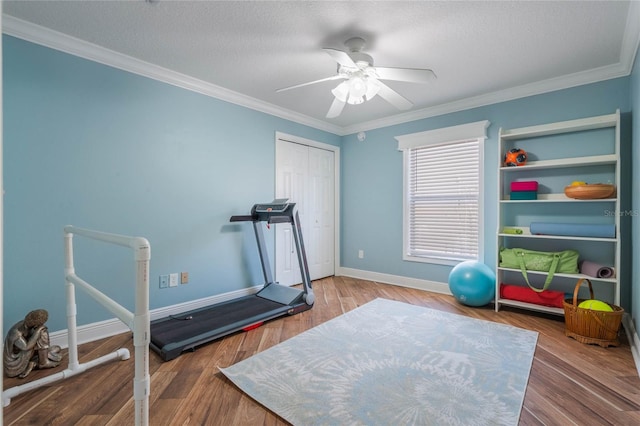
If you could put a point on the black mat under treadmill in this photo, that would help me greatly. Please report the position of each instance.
(172, 335)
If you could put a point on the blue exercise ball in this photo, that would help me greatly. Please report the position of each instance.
(472, 283)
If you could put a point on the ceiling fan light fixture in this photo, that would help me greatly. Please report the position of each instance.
(355, 100)
(357, 87)
(372, 89)
(362, 81)
(341, 91)
(351, 91)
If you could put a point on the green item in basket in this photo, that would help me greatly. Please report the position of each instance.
(507, 230)
(564, 262)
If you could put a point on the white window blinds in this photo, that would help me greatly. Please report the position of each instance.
(443, 193)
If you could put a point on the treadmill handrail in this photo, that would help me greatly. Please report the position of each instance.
(256, 218)
(243, 218)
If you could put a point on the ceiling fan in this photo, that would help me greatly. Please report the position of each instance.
(362, 79)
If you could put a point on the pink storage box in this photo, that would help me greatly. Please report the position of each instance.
(530, 185)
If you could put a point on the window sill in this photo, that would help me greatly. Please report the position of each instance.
(435, 260)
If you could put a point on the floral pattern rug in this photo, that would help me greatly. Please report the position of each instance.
(392, 363)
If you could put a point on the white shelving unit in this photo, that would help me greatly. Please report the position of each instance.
(602, 158)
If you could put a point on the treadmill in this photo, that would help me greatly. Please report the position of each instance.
(175, 334)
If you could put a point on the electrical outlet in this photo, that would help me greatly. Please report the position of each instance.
(360, 254)
(164, 281)
(184, 277)
(173, 280)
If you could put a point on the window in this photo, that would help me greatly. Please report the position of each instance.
(443, 194)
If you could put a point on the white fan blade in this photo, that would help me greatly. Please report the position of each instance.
(393, 97)
(336, 108)
(334, 77)
(413, 75)
(341, 57)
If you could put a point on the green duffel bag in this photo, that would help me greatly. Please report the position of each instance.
(564, 262)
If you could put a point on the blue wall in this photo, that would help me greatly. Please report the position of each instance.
(372, 174)
(96, 147)
(89, 145)
(635, 207)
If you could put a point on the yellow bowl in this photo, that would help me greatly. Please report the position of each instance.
(590, 191)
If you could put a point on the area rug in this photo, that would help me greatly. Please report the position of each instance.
(391, 363)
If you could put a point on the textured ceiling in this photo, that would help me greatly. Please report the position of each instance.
(482, 52)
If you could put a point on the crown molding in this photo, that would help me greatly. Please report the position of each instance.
(631, 39)
(58, 41)
(537, 88)
(55, 40)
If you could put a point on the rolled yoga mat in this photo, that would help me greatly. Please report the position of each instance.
(509, 230)
(573, 229)
(596, 270)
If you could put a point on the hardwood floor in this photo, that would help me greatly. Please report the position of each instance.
(570, 384)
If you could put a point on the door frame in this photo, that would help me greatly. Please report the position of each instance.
(336, 183)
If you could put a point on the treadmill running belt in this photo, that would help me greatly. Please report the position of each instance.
(209, 322)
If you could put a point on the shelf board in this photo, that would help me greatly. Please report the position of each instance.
(559, 198)
(530, 306)
(591, 160)
(526, 233)
(557, 274)
(591, 123)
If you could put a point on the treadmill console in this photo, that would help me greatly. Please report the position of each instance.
(277, 211)
(278, 205)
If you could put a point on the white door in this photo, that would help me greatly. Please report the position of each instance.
(305, 175)
(319, 213)
(291, 181)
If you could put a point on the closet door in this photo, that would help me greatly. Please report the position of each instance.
(306, 176)
(291, 182)
(320, 211)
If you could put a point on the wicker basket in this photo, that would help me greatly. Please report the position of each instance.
(589, 326)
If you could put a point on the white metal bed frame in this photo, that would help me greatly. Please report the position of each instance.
(137, 321)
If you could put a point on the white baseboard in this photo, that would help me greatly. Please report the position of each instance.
(100, 330)
(111, 327)
(433, 286)
(634, 341)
